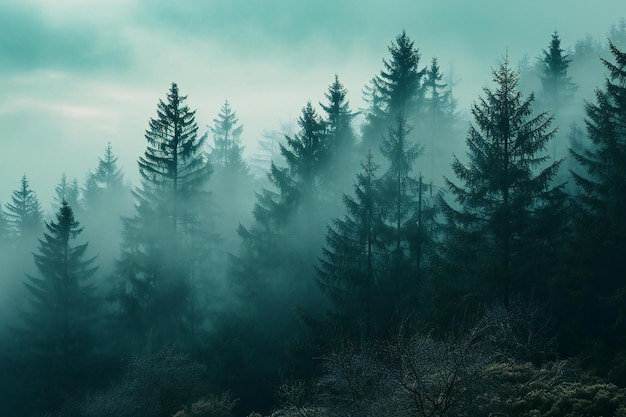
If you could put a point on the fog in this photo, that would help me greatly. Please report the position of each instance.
(77, 75)
(294, 233)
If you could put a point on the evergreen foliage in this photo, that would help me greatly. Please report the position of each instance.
(23, 213)
(506, 210)
(165, 242)
(349, 272)
(67, 191)
(396, 90)
(597, 263)
(57, 336)
(227, 151)
(106, 179)
(557, 86)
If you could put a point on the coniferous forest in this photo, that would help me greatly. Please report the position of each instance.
(371, 270)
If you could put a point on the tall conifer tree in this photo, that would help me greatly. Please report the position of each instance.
(58, 330)
(556, 83)
(596, 264)
(166, 240)
(349, 269)
(23, 213)
(396, 90)
(506, 209)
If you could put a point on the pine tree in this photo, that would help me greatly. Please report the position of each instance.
(398, 182)
(338, 118)
(24, 214)
(57, 335)
(165, 243)
(67, 191)
(349, 272)
(306, 152)
(226, 151)
(617, 34)
(400, 82)
(107, 179)
(557, 85)
(340, 139)
(506, 209)
(231, 180)
(596, 258)
(399, 194)
(396, 90)
(272, 272)
(436, 95)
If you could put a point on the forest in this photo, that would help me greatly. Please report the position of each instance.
(373, 269)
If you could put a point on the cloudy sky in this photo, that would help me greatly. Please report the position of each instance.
(76, 74)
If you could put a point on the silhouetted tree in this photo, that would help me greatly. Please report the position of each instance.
(349, 269)
(557, 85)
(340, 138)
(436, 95)
(57, 334)
(506, 212)
(23, 213)
(400, 202)
(271, 274)
(104, 182)
(231, 181)
(67, 191)
(166, 241)
(617, 34)
(338, 118)
(227, 151)
(396, 90)
(594, 283)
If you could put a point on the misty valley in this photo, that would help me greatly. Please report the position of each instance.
(410, 258)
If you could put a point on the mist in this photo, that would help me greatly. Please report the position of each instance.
(225, 209)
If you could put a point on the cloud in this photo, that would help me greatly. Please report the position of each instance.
(30, 41)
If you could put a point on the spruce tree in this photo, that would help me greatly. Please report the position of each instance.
(67, 191)
(396, 90)
(226, 151)
(593, 282)
(166, 242)
(435, 92)
(271, 274)
(340, 138)
(349, 269)
(399, 197)
(557, 86)
(338, 118)
(23, 213)
(232, 180)
(57, 336)
(506, 211)
(104, 182)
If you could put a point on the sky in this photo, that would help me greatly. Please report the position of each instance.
(77, 74)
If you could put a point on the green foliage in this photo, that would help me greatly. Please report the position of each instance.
(397, 90)
(226, 151)
(501, 229)
(595, 267)
(24, 215)
(67, 191)
(57, 335)
(167, 244)
(347, 273)
(103, 183)
(557, 85)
